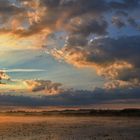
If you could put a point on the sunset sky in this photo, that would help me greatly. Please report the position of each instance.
(69, 52)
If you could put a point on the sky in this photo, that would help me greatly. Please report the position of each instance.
(69, 52)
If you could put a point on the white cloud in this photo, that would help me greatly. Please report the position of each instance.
(22, 70)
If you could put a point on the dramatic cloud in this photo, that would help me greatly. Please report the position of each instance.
(32, 22)
(8, 10)
(125, 4)
(114, 59)
(118, 22)
(88, 26)
(39, 86)
(73, 98)
(45, 86)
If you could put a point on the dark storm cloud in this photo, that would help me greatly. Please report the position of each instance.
(118, 22)
(77, 6)
(7, 10)
(67, 13)
(51, 15)
(121, 13)
(125, 4)
(76, 40)
(114, 59)
(89, 25)
(124, 48)
(72, 98)
(133, 23)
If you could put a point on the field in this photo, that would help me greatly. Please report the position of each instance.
(69, 128)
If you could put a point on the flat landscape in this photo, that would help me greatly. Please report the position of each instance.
(69, 128)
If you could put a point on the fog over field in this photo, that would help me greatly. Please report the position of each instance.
(69, 128)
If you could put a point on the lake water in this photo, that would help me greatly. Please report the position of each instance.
(69, 128)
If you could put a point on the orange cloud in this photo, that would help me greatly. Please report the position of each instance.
(122, 84)
(39, 86)
(104, 55)
(3, 75)
(29, 24)
(78, 57)
(45, 86)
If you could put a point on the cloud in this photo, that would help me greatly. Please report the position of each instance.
(46, 86)
(118, 22)
(133, 23)
(114, 59)
(133, 83)
(125, 4)
(33, 86)
(28, 24)
(8, 9)
(33, 21)
(3, 75)
(22, 70)
(73, 98)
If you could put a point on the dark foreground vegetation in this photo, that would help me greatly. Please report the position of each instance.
(80, 112)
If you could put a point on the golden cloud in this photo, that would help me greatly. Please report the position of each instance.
(45, 86)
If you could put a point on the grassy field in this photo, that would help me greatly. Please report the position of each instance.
(43, 127)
